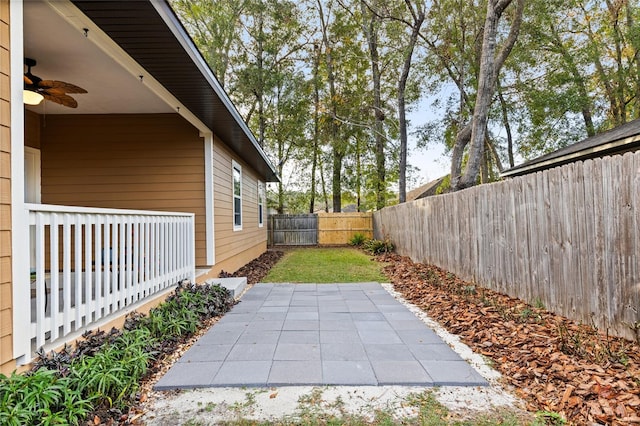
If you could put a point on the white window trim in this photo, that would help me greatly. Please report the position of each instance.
(236, 166)
(261, 199)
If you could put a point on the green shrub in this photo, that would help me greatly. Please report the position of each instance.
(378, 246)
(113, 374)
(357, 240)
(41, 398)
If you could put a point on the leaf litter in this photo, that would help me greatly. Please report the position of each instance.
(554, 364)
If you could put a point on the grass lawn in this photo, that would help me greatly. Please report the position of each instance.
(326, 265)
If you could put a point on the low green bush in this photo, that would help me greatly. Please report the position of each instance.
(105, 368)
(374, 246)
(41, 398)
(113, 374)
(357, 240)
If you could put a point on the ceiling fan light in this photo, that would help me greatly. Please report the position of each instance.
(31, 98)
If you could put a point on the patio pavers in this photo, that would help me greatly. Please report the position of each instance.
(319, 334)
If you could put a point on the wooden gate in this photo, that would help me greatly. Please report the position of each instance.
(293, 230)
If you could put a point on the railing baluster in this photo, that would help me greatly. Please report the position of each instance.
(87, 266)
(66, 274)
(77, 260)
(155, 258)
(54, 270)
(40, 280)
(162, 256)
(136, 259)
(106, 260)
(127, 262)
(115, 259)
(122, 279)
(97, 269)
(147, 258)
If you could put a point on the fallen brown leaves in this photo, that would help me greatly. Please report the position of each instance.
(554, 364)
(258, 268)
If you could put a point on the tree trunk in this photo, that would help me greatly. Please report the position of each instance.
(402, 114)
(490, 65)
(462, 140)
(316, 126)
(507, 127)
(324, 188)
(358, 175)
(337, 145)
(371, 34)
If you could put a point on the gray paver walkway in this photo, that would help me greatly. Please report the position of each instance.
(319, 334)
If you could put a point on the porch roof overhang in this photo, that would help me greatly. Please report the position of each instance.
(624, 138)
(151, 34)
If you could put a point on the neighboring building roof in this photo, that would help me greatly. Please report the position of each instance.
(150, 32)
(425, 190)
(619, 140)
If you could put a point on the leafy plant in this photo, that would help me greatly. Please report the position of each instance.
(538, 303)
(550, 418)
(357, 240)
(40, 398)
(375, 247)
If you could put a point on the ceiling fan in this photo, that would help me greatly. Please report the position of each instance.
(51, 90)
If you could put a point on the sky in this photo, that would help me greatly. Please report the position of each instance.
(431, 161)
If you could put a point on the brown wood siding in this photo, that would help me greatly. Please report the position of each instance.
(7, 363)
(146, 162)
(235, 248)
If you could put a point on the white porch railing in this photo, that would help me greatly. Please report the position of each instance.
(89, 264)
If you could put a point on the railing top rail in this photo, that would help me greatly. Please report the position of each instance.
(52, 208)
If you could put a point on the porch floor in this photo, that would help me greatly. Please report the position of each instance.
(319, 334)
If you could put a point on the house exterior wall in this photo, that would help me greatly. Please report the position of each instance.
(7, 364)
(235, 248)
(140, 162)
(149, 162)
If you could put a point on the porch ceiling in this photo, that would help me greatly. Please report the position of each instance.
(64, 54)
(149, 32)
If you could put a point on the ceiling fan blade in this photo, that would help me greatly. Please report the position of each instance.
(55, 92)
(28, 81)
(63, 99)
(61, 85)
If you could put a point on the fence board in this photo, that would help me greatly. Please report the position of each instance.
(568, 236)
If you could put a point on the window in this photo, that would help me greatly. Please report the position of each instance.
(261, 204)
(237, 196)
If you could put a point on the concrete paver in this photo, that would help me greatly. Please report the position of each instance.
(324, 334)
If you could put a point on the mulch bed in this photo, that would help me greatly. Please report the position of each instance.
(258, 268)
(554, 364)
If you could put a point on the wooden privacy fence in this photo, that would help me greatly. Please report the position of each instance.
(339, 228)
(318, 229)
(568, 236)
(293, 230)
